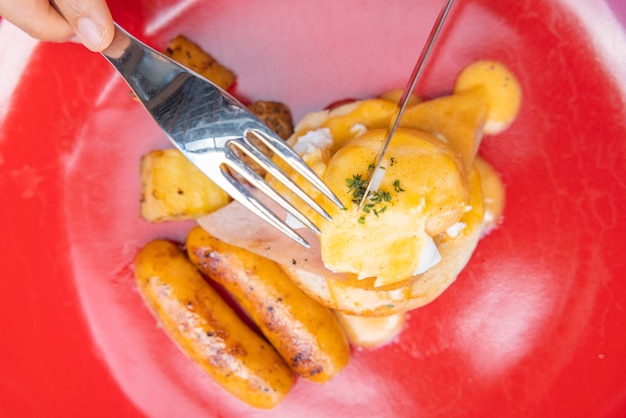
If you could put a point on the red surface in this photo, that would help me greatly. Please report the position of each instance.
(533, 327)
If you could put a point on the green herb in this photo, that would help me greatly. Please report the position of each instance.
(379, 196)
(357, 186)
(376, 200)
(392, 161)
(396, 186)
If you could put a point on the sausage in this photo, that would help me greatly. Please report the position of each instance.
(207, 329)
(305, 333)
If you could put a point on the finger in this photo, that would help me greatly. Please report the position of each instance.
(91, 21)
(37, 18)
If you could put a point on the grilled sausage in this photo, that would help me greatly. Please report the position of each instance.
(207, 329)
(304, 332)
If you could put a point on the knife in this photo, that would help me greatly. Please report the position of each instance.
(380, 166)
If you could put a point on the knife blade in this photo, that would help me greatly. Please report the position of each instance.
(379, 168)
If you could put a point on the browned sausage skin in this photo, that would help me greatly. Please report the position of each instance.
(207, 329)
(304, 332)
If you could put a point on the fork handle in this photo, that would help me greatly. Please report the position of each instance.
(146, 71)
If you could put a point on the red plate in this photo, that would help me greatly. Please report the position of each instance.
(533, 327)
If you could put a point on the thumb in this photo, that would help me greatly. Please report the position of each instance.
(91, 21)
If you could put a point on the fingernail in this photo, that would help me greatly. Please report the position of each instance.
(90, 33)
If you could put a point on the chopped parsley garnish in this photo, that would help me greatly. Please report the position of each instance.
(376, 200)
(381, 210)
(357, 186)
(379, 196)
(396, 186)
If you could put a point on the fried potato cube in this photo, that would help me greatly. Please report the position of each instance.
(278, 118)
(275, 115)
(189, 54)
(173, 189)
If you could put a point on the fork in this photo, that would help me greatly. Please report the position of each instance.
(206, 124)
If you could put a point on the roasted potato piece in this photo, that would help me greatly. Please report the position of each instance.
(275, 115)
(278, 118)
(305, 333)
(189, 54)
(172, 188)
(207, 329)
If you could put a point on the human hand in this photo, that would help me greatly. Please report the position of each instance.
(89, 21)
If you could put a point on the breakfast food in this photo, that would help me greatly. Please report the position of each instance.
(349, 294)
(305, 337)
(173, 189)
(207, 329)
(421, 225)
(275, 115)
(305, 333)
(400, 250)
(278, 118)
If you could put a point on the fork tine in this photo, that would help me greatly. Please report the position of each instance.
(268, 165)
(242, 195)
(200, 119)
(260, 183)
(292, 158)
